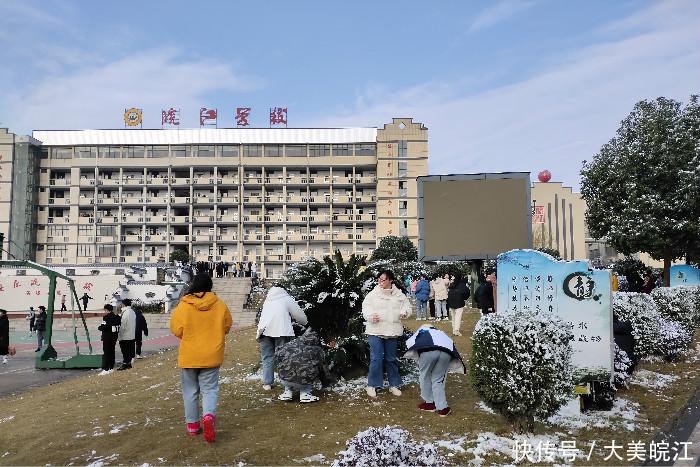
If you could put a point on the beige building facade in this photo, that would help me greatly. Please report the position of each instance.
(558, 220)
(266, 196)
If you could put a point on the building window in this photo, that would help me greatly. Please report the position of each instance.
(403, 188)
(252, 150)
(180, 151)
(403, 208)
(85, 229)
(109, 152)
(56, 251)
(342, 149)
(203, 151)
(133, 152)
(61, 153)
(366, 150)
(228, 151)
(157, 152)
(57, 230)
(403, 145)
(296, 150)
(273, 150)
(316, 150)
(106, 250)
(84, 249)
(403, 228)
(85, 152)
(403, 169)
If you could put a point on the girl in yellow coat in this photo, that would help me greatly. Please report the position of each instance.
(202, 321)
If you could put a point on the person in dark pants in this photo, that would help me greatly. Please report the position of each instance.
(110, 333)
(127, 335)
(63, 303)
(85, 298)
(4, 335)
(141, 330)
(40, 326)
(31, 317)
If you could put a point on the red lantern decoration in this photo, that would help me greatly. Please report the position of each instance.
(545, 176)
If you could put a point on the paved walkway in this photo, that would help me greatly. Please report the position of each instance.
(20, 375)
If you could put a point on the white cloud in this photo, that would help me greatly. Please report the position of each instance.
(95, 96)
(498, 13)
(558, 117)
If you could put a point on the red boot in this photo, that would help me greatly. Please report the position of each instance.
(193, 429)
(209, 429)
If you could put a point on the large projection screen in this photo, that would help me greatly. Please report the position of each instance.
(473, 216)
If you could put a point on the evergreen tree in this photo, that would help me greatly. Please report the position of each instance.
(642, 188)
(395, 249)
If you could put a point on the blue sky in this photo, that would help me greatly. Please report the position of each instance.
(511, 85)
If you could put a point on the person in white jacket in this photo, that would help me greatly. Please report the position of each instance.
(383, 309)
(127, 335)
(275, 328)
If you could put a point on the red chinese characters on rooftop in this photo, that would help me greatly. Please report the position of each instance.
(242, 116)
(207, 117)
(171, 117)
(278, 116)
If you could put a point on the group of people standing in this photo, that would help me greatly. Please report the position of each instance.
(220, 269)
(127, 328)
(438, 295)
(201, 321)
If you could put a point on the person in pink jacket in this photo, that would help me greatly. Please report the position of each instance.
(201, 321)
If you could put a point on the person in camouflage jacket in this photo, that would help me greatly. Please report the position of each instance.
(299, 362)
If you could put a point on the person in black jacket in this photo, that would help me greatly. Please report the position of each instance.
(4, 335)
(484, 294)
(40, 326)
(456, 296)
(141, 330)
(110, 333)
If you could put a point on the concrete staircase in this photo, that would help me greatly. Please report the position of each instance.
(234, 292)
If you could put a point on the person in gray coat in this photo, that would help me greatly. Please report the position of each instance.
(127, 335)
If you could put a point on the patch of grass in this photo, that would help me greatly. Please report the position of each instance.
(137, 416)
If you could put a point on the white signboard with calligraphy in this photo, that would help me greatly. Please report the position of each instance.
(531, 280)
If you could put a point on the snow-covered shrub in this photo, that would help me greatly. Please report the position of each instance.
(387, 446)
(678, 304)
(674, 339)
(623, 368)
(521, 365)
(640, 310)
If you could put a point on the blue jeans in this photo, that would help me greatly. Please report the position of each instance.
(433, 372)
(194, 381)
(441, 308)
(382, 353)
(290, 386)
(267, 353)
(421, 308)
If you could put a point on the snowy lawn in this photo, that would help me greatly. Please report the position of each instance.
(136, 417)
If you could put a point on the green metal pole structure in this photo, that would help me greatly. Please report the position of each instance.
(47, 356)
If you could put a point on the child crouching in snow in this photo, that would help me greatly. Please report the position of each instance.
(299, 362)
(436, 355)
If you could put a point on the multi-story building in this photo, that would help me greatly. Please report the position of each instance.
(269, 196)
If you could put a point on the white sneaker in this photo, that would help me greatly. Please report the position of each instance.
(139, 356)
(4, 359)
(104, 372)
(286, 395)
(395, 391)
(307, 397)
(267, 387)
(371, 392)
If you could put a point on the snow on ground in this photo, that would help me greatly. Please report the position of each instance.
(650, 379)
